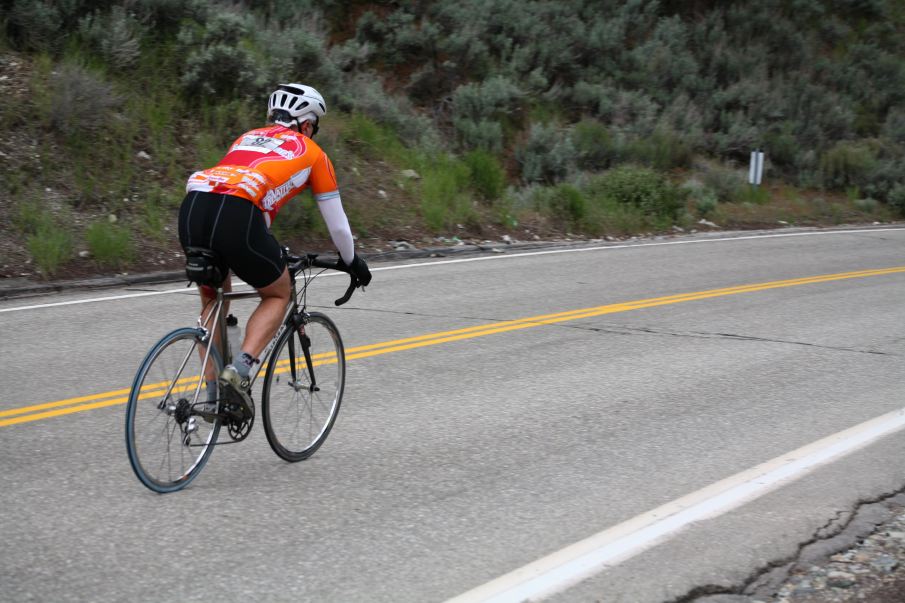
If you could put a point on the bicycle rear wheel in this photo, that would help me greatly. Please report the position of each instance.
(168, 444)
(303, 387)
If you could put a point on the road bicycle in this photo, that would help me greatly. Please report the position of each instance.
(175, 411)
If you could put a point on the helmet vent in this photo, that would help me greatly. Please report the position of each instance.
(298, 101)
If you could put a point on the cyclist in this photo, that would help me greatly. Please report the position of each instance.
(229, 208)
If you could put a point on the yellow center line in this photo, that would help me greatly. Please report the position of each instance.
(120, 396)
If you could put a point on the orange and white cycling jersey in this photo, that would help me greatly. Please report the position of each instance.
(268, 166)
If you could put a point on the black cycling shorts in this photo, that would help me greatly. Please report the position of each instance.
(235, 228)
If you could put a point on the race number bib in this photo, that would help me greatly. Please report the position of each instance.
(263, 144)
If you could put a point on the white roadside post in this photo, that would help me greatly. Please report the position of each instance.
(756, 171)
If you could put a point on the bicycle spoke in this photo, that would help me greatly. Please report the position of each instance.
(298, 415)
(160, 410)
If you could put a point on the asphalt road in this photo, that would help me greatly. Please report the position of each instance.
(455, 463)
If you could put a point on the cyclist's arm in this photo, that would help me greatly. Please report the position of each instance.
(326, 193)
(331, 207)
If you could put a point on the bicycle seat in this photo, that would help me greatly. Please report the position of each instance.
(204, 266)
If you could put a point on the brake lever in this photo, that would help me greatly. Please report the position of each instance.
(353, 284)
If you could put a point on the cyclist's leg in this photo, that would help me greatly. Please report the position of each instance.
(256, 257)
(198, 217)
(208, 298)
(266, 318)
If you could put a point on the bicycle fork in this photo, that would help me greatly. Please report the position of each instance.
(306, 350)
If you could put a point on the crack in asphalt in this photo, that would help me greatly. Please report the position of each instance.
(883, 238)
(760, 581)
(622, 330)
(626, 330)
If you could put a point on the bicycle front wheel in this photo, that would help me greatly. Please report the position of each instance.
(303, 387)
(168, 443)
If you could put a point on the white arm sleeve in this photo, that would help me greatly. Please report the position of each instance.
(338, 225)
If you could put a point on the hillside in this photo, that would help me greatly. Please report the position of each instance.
(449, 121)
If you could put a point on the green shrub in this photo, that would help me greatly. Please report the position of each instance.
(445, 201)
(36, 25)
(897, 199)
(607, 216)
(867, 205)
(114, 35)
(488, 178)
(300, 50)
(587, 97)
(110, 245)
(621, 201)
(846, 164)
(631, 112)
(396, 37)
(374, 140)
(546, 156)
(219, 58)
(50, 246)
(685, 117)
(223, 71)
(884, 176)
(153, 219)
(704, 200)
(478, 110)
(505, 212)
(664, 62)
(222, 122)
(81, 102)
(724, 182)
(564, 204)
(29, 218)
(781, 145)
(208, 149)
(737, 136)
(164, 18)
(705, 203)
(894, 126)
(481, 134)
(757, 195)
(494, 98)
(596, 214)
(595, 147)
(366, 95)
(662, 150)
(641, 188)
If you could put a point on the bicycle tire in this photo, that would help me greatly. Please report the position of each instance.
(298, 417)
(159, 408)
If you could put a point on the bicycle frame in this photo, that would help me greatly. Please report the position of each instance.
(215, 317)
(183, 417)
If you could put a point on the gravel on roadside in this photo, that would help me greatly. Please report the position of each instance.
(862, 561)
(871, 570)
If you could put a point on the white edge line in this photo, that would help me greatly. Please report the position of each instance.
(481, 259)
(631, 245)
(572, 564)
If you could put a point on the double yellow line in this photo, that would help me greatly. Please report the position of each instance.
(37, 412)
(121, 396)
(549, 319)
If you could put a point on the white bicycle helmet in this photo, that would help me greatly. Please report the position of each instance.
(292, 104)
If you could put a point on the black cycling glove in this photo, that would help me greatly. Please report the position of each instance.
(359, 269)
